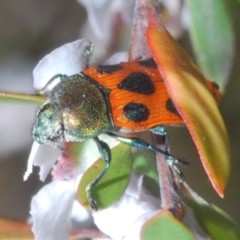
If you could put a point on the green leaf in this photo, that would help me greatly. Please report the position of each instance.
(81, 153)
(84, 154)
(165, 226)
(144, 162)
(216, 223)
(195, 103)
(213, 38)
(22, 98)
(112, 186)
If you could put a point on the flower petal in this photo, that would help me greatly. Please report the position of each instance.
(43, 156)
(33, 152)
(51, 209)
(117, 58)
(68, 59)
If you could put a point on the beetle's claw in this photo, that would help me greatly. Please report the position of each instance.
(92, 202)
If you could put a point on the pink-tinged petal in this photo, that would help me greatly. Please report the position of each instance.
(43, 156)
(68, 59)
(80, 156)
(102, 15)
(51, 210)
(65, 168)
(117, 58)
(192, 98)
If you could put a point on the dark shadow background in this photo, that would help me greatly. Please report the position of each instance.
(29, 30)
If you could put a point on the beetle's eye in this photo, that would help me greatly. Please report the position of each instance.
(58, 131)
(57, 134)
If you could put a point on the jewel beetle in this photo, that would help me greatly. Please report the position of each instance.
(110, 99)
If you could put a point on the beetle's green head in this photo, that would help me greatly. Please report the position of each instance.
(76, 110)
(48, 128)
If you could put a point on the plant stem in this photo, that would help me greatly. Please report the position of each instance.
(22, 98)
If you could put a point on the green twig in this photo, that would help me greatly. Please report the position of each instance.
(22, 98)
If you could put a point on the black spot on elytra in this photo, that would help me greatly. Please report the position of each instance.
(137, 82)
(109, 68)
(171, 107)
(148, 63)
(136, 112)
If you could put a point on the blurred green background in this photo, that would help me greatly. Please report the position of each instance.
(31, 29)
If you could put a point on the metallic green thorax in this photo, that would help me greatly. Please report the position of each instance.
(76, 110)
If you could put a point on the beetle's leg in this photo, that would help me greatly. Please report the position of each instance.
(161, 136)
(106, 155)
(53, 81)
(160, 130)
(136, 142)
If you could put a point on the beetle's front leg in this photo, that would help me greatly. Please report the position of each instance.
(161, 137)
(161, 132)
(139, 143)
(53, 81)
(106, 155)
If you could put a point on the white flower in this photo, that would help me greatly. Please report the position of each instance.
(108, 25)
(124, 219)
(67, 59)
(50, 210)
(109, 19)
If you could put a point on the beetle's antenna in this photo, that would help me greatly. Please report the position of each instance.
(55, 145)
(62, 149)
(51, 83)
